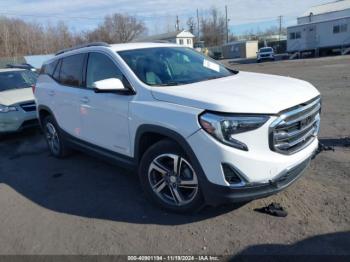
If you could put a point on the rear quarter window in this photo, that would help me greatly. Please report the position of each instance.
(71, 73)
(56, 74)
(49, 68)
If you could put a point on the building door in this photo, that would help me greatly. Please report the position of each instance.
(311, 37)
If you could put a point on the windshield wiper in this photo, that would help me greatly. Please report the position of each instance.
(213, 77)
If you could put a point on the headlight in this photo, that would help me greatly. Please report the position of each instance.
(224, 126)
(6, 109)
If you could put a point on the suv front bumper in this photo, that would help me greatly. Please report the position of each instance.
(17, 121)
(216, 194)
(262, 171)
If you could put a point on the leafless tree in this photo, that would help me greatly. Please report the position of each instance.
(213, 28)
(117, 28)
(191, 24)
(18, 38)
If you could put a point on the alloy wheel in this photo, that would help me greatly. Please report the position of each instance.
(173, 179)
(52, 138)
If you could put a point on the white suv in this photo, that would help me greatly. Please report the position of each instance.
(196, 131)
(265, 53)
(17, 107)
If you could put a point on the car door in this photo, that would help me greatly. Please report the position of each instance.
(104, 116)
(66, 95)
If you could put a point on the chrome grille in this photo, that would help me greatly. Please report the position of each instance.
(296, 127)
(28, 107)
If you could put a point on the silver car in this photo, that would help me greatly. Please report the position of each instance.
(17, 105)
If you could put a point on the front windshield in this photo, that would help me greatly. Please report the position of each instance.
(16, 79)
(166, 66)
(262, 50)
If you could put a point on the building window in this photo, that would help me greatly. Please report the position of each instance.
(340, 28)
(188, 41)
(295, 35)
(336, 29)
(181, 41)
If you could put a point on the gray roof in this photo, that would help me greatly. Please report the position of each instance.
(37, 60)
(164, 36)
(329, 7)
(240, 42)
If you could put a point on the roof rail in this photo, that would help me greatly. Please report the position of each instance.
(81, 46)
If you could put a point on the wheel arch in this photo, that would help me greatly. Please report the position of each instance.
(44, 111)
(147, 135)
(165, 133)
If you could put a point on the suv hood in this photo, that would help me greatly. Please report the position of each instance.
(15, 96)
(242, 93)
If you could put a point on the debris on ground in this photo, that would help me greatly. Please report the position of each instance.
(274, 209)
(322, 147)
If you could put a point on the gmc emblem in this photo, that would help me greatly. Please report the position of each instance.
(305, 122)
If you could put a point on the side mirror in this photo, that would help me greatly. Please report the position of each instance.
(110, 85)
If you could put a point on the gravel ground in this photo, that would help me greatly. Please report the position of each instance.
(81, 205)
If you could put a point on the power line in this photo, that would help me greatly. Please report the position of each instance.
(51, 16)
(64, 17)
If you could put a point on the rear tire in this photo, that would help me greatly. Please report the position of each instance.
(54, 139)
(169, 179)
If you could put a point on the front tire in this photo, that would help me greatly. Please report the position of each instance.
(54, 139)
(169, 179)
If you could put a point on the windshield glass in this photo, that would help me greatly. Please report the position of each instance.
(268, 49)
(16, 79)
(166, 66)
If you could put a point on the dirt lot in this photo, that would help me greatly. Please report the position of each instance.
(81, 205)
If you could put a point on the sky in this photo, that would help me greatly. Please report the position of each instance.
(158, 15)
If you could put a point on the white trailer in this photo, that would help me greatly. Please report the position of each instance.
(320, 36)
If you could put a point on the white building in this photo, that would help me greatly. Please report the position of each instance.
(240, 49)
(322, 28)
(183, 37)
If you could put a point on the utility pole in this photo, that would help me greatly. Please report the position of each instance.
(226, 24)
(280, 32)
(198, 25)
(177, 26)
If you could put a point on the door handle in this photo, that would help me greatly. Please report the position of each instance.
(51, 93)
(85, 100)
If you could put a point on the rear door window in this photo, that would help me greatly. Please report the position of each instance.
(71, 73)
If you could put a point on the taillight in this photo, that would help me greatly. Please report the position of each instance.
(33, 88)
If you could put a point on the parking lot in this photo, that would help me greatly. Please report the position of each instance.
(81, 205)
